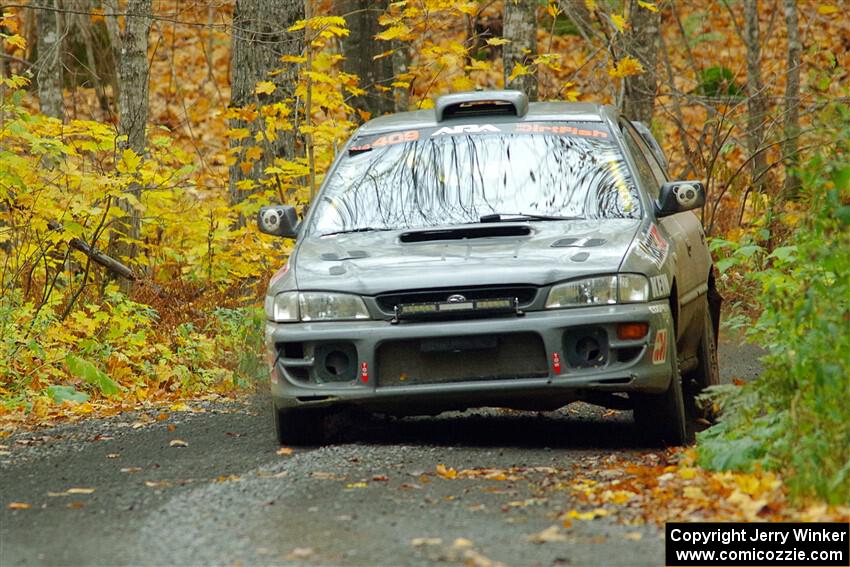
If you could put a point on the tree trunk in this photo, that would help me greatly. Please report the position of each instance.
(359, 49)
(131, 54)
(792, 101)
(401, 65)
(642, 44)
(756, 103)
(49, 65)
(262, 39)
(521, 29)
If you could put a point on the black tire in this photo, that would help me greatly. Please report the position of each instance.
(661, 418)
(707, 371)
(299, 427)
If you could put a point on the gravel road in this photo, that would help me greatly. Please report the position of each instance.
(228, 498)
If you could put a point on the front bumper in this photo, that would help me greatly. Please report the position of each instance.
(642, 365)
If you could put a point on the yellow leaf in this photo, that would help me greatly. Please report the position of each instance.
(285, 451)
(299, 59)
(19, 506)
(384, 54)
(447, 473)
(265, 87)
(357, 485)
(129, 162)
(648, 5)
(17, 41)
(253, 153)
(518, 71)
(619, 22)
(468, 8)
(626, 67)
(394, 32)
(497, 41)
(80, 491)
(827, 9)
(590, 4)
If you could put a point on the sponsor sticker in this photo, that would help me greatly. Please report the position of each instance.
(660, 285)
(657, 309)
(659, 352)
(653, 246)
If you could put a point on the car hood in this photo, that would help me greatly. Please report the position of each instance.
(369, 263)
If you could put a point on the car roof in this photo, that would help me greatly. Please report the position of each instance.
(537, 112)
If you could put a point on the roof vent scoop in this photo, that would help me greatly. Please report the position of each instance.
(485, 103)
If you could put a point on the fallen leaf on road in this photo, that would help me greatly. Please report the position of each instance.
(357, 485)
(171, 427)
(321, 475)
(300, 553)
(113, 455)
(576, 515)
(421, 541)
(285, 451)
(159, 484)
(79, 491)
(461, 543)
(162, 417)
(550, 534)
(634, 536)
(228, 478)
(75, 505)
(447, 473)
(131, 469)
(177, 443)
(180, 406)
(380, 478)
(19, 506)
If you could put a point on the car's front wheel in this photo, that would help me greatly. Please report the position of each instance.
(661, 418)
(299, 427)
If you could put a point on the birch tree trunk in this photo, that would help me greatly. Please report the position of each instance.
(360, 48)
(756, 103)
(260, 39)
(131, 54)
(642, 44)
(49, 74)
(520, 28)
(401, 65)
(792, 100)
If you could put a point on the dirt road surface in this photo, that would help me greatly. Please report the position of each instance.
(228, 498)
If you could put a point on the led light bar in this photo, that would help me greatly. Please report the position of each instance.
(441, 309)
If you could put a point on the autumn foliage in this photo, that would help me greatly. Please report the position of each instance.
(74, 339)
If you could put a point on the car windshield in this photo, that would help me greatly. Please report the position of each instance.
(457, 175)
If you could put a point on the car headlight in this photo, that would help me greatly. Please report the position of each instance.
(292, 306)
(604, 290)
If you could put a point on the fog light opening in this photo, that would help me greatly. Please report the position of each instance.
(588, 349)
(632, 331)
(337, 363)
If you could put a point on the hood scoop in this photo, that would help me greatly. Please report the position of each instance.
(578, 242)
(465, 233)
(350, 255)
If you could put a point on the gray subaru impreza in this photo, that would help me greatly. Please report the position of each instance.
(492, 252)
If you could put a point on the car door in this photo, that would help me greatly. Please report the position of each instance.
(689, 245)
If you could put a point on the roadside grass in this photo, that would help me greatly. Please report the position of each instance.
(795, 419)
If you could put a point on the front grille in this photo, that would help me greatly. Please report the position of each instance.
(461, 359)
(524, 293)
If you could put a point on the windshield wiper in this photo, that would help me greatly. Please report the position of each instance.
(361, 229)
(506, 217)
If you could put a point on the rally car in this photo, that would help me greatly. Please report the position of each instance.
(493, 252)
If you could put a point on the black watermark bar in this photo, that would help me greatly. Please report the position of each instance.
(745, 544)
